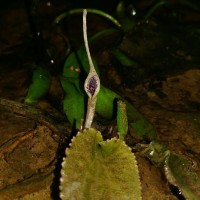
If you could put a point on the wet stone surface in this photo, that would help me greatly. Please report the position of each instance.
(27, 152)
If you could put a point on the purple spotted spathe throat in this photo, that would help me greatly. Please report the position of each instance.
(92, 85)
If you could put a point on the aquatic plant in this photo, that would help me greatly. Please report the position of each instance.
(39, 86)
(94, 11)
(97, 169)
(74, 102)
(178, 169)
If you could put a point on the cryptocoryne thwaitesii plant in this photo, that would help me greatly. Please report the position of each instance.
(74, 102)
(97, 169)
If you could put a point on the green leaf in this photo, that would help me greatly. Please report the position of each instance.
(71, 66)
(96, 169)
(106, 98)
(105, 108)
(105, 102)
(141, 126)
(74, 101)
(40, 85)
(144, 128)
(180, 171)
(94, 11)
(122, 120)
(123, 58)
(79, 60)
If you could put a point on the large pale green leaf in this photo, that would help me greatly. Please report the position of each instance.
(95, 169)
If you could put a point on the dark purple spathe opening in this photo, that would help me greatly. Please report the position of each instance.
(92, 85)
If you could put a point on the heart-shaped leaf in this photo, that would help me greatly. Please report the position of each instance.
(96, 169)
